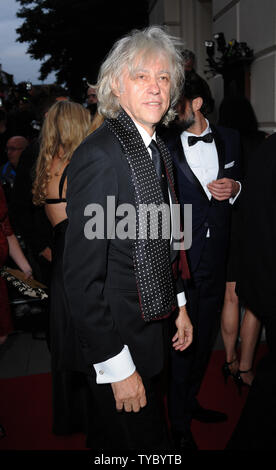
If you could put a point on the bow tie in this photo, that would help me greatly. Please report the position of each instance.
(208, 138)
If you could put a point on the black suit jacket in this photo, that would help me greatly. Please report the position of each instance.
(257, 256)
(99, 274)
(207, 214)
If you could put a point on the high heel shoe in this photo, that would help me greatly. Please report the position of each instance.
(226, 371)
(239, 380)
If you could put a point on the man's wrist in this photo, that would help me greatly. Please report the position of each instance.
(116, 368)
(182, 310)
(181, 299)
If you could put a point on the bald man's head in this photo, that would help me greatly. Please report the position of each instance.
(15, 147)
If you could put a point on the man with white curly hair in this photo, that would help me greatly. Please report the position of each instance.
(121, 285)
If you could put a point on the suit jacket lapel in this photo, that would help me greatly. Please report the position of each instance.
(183, 164)
(220, 150)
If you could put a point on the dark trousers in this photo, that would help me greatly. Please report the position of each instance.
(113, 430)
(256, 429)
(204, 300)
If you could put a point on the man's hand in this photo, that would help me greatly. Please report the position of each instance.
(130, 393)
(47, 254)
(223, 188)
(184, 335)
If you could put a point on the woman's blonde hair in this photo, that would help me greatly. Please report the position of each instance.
(96, 121)
(65, 126)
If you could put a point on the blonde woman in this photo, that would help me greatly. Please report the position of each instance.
(66, 125)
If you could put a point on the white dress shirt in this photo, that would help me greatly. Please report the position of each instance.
(122, 366)
(202, 158)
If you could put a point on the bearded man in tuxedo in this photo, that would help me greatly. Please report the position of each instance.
(206, 160)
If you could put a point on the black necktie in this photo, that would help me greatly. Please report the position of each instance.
(160, 169)
(208, 138)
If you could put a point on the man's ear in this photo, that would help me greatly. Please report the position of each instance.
(115, 86)
(197, 103)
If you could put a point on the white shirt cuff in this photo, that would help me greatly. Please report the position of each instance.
(115, 369)
(232, 199)
(181, 299)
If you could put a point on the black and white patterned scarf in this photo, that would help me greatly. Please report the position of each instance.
(151, 257)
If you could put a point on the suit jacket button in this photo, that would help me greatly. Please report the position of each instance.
(206, 224)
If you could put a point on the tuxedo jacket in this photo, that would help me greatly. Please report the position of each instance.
(99, 274)
(206, 214)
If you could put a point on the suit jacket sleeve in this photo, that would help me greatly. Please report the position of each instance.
(91, 178)
(237, 174)
(232, 143)
(236, 170)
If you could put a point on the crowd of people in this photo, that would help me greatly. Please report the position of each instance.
(133, 317)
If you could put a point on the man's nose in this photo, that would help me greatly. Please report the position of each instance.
(154, 86)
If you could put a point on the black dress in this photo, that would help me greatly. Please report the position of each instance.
(69, 388)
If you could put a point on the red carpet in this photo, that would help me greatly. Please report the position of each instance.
(25, 411)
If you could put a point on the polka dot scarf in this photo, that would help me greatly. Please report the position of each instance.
(151, 257)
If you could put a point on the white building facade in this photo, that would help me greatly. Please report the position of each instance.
(250, 21)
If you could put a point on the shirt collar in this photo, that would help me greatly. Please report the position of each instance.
(145, 136)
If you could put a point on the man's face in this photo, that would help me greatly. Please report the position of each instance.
(145, 94)
(186, 117)
(14, 148)
(91, 96)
